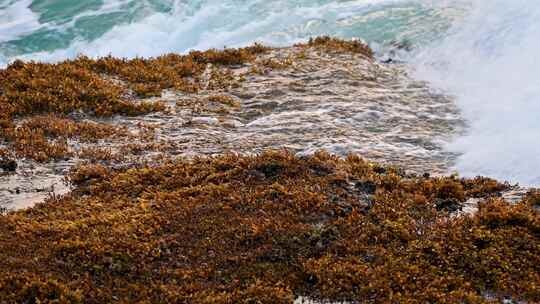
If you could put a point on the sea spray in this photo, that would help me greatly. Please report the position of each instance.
(490, 63)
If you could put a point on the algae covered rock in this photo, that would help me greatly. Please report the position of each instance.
(269, 229)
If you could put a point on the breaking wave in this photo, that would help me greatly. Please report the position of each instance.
(489, 62)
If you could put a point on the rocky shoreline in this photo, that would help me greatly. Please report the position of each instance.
(199, 179)
(328, 95)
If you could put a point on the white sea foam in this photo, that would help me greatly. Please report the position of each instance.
(490, 63)
(16, 19)
(207, 24)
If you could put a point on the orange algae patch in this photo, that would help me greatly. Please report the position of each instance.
(98, 87)
(44, 137)
(267, 229)
(330, 44)
(54, 126)
(533, 198)
(33, 88)
(80, 84)
(148, 77)
(33, 144)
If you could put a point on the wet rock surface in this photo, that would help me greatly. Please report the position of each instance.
(303, 99)
(8, 165)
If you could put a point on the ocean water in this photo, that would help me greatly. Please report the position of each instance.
(482, 52)
(56, 29)
(489, 62)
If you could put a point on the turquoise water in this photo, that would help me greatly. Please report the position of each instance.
(483, 52)
(57, 29)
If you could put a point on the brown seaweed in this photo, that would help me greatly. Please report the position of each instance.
(266, 229)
